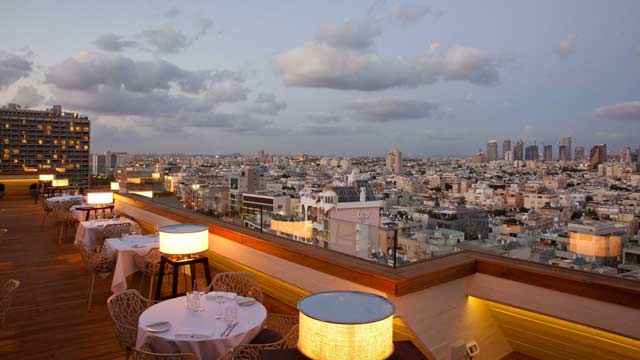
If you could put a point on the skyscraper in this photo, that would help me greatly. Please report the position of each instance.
(394, 161)
(506, 146)
(492, 150)
(45, 140)
(563, 153)
(579, 153)
(625, 154)
(566, 141)
(518, 150)
(532, 152)
(598, 155)
(548, 153)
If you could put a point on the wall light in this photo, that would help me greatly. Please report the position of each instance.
(45, 177)
(99, 198)
(183, 239)
(346, 325)
(115, 185)
(60, 182)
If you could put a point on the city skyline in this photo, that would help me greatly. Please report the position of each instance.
(352, 79)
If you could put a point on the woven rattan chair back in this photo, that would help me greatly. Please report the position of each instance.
(252, 351)
(241, 283)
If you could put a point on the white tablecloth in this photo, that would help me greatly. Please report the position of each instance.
(87, 232)
(250, 319)
(52, 202)
(125, 264)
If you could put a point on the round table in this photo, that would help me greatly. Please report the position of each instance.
(184, 321)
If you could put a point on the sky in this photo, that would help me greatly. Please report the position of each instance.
(432, 78)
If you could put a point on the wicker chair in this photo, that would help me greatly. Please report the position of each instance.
(64, 218)
(252, 351)
(148, 355)
(125, 309)
(6, 293)
(241, 283)
(116, 230)
(149, 265)
(97, 262)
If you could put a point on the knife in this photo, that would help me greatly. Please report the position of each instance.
(233, 326)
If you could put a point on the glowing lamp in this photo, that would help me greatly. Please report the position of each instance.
(183, 239)
(346, 325)
(147, 193)
(60, 182)
(45, 177)
(99, 198)
(115, 185)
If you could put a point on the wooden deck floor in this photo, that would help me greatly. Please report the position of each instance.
(48, 318)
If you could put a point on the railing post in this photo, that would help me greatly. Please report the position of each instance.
(395, 247)
(260, 218)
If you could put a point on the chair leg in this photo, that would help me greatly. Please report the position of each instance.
(151, 286)
(93, 280)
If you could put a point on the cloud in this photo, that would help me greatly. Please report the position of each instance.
(324, 130)
(319, 64)
(166, 39)
(266, 104)
(323, 118)
(13, 68)
(384, 109)
(172, 13)
(626, 111)
(202, 26)
(350, 34)
(410, 14)
(566, 46)
(114, 43)
(28, 96)
(445, 135)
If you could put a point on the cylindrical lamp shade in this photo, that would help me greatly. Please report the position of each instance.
(346, 325)
(115, 185)
(60, 182)
(183, 239)
(99, 198)
(45, 177)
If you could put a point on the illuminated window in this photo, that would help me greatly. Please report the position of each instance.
(86, 147)
(24, 141)
(6, 156)
(6, 141)
(39, 141)
(70, 128)
(15, 151)
(55, 156)
(39, 126)
(55, 142)
(86, 129)
(6, 125)
(15, 161)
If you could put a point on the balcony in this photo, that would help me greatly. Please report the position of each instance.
(513, 309)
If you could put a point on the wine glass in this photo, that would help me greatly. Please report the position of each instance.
(220, 300)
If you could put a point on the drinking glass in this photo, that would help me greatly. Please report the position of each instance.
(220, 300)
(230, 313)
(193, 301)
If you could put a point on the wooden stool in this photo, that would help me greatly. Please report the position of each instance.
(198, 259)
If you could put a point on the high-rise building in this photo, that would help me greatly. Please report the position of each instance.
(548, 153)
(579, 153)
(98, 164)
(45, 140)
(115, 160)
(625, 154)
(394, 161)
(508, 156)
(506, 146)
(531, 152)
(492, 150)
(566, 141)
(518, 150)
(563, 153)
(598, 155)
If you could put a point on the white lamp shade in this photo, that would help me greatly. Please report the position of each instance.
(60, 182)
(146, 193)
(115, 185)
(45, 177)
(96, 198)
(346, 325)
(184, 239)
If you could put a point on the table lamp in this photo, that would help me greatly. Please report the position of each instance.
(99, 198)
(60, 182)
(115, 186)
(45, 177)
(346, 325)
(183, 240)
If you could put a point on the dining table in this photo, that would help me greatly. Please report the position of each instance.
(199, 332)
(88, 232)
(127, 247)
(82, 211)
(55, 202)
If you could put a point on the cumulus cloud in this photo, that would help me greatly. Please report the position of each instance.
(409, 14)
(113, 42)
(566, 46)
(13, 68)
(172, 13)
(626, 111)
(346, 62)
(266, 104)
(322, 118)
(383, 109)
(28, 96)
(166, 39)
(350, 34)
(202, 26)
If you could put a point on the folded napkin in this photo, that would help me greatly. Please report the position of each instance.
(193, 334)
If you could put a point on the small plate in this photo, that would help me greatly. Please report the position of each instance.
(245, 301)
(159, 327)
